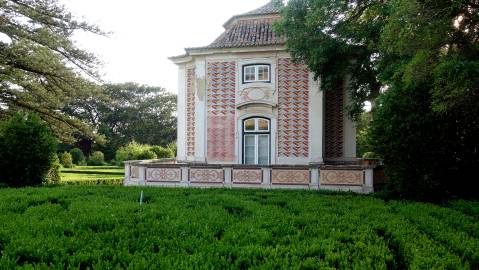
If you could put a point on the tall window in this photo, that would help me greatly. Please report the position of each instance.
(256, 141)
(256, 73)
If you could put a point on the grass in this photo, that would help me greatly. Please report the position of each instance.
(87, 175)
(105, 227)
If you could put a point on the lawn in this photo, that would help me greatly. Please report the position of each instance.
(88, 175)
(105, 227)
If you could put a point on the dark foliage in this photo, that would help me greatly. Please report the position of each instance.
(424, 56)
(77, 156)
(27, 150)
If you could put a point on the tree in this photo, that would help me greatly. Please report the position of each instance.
(27, 150)
(41, 69)
(424, 55)
(363, 135)
(129, 112)
(337, 39)
(426, 125)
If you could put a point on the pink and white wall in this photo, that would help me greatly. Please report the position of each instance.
(307, 125)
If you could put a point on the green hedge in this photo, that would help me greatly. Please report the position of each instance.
(98, 181)
(27, 150)
(138, 151)
(105, 227)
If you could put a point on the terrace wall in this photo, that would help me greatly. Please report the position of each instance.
(339, 177)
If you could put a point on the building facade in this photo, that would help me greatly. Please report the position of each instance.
(248, 116)
(242, 100)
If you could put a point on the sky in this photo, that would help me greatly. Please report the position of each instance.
(146, 32)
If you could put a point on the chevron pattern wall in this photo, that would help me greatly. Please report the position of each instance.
(221, 89)
(293, 109)
(190, 112)
(333, 119)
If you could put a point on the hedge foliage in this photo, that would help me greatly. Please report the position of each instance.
(66, 160)
(78, 157)
(54, 174)
(96, 175)
(96, 159)
(105, 227)
(94, 181)
(137, 151)
(27, 150)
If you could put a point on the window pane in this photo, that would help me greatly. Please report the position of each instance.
(263, 125)
(263, 73)
(263, 149)
(249, 149)
(249, 74)
(249, 125)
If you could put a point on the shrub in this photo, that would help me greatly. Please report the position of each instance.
(27, 150)
(146, 154)
(78, 156)
(137, 151)
(66, 160)
(369, 155)
(162, 152)
(131, 151)
(173, 148)
(96, 159)
(54, 175)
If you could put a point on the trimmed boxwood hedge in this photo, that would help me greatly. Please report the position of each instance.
(105, 227)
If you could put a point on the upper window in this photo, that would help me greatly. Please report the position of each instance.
(256, 73)
(256, 125)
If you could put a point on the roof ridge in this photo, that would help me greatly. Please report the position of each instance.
(250, 29)
(269, 8)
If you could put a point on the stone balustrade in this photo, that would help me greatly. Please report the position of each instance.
(333, 177)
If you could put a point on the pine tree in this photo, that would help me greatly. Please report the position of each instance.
(41, 69)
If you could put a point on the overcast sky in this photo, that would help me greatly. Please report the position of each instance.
(147, 32)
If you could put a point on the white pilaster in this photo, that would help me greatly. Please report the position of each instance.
(142, 176)
(185, 175)
(200, 102)
(349, 140)
(315, 120)
(266, 177)
(181, 109)
(314, 178)
(228, 176)
(368, 180)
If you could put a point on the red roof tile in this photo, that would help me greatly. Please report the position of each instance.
(250, 29)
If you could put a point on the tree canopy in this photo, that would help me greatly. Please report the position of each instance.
(41, 68)
(336, 38)
(129, 112)
(421, 57)
(376, 41)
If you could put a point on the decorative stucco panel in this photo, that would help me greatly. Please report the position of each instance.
(336, 177)
(247, 176)
(190, 112)
(163, 174)
(206, 175)
(293, 109)
(221, 88)
(135, 172)
(290, 177)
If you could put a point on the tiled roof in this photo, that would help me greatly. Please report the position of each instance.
(249, 29)
(245, 33)
(269, 8)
